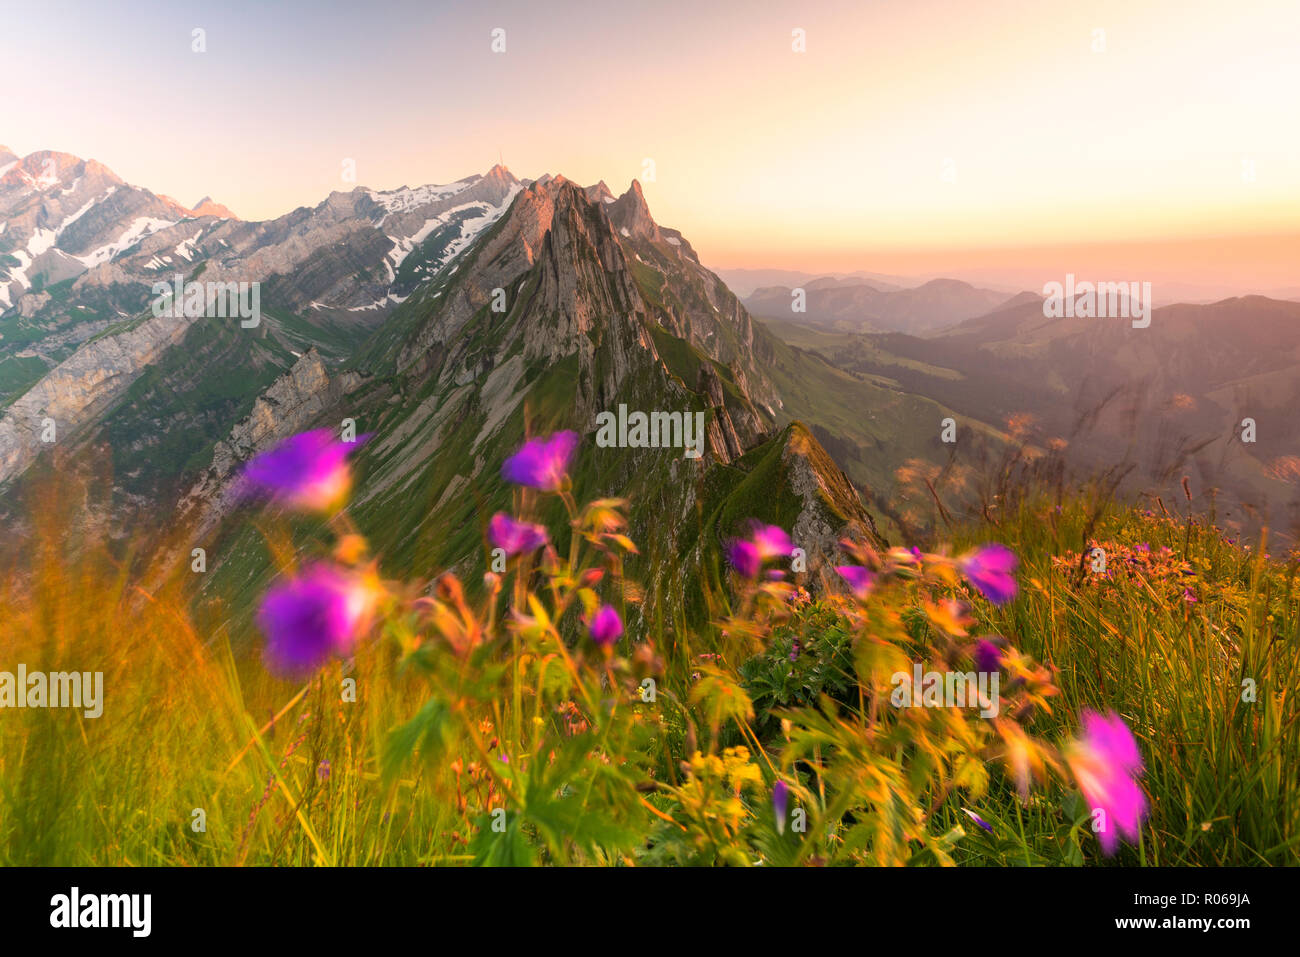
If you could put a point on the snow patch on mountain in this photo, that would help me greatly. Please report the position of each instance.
(408, 198)
(138, 230)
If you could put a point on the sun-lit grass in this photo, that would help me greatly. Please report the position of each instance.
(410, 772)
(1223, 773)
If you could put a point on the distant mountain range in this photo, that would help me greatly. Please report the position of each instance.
(1170, 400)
(63, 216)
(454, 320)
(743, 282)
(856, 305)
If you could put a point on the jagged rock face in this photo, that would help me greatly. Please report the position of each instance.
(293, 403)
(697, 305)
(493, 325)
(829, 502)
(576, 335)
(724, 441)
(564, 277)
(72, 394)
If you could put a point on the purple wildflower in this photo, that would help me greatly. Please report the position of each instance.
(860, 579)
(745, 558)
(988, 656)
(542, 463)
(771, 542)
(978, 820)
(515, 537)
(1106, 763)
(780, 803)
(308, 471)
(989, 568)
(317, 614)
(606, 626)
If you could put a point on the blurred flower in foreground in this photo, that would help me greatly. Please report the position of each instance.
(745, 558)
(766, 542)
(308, 471)
(780, 802)
(860, 579)
(515, 537)
(317, 614)
(606, 626)
(542, 463)
(1105, 761)
(989, 568)
(978, 820)
(771, 542)
(988, 656)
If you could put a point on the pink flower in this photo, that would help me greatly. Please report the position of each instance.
(542, 463)
(745, 558)
(989, 568)
(606, 626)
(515, 537)
(1106, 762)
(771, 542)
(860, 579)
(765, 543)
(317, 614)
(308, 471)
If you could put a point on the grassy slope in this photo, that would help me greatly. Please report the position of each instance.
(868, 422)
(1222, 776)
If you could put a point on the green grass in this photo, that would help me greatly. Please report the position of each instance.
(290, 773)
(1222, 774)
(18, 374)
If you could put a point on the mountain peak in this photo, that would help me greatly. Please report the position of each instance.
(600, 193)
(208, 207)
(501, 174)
(44, 169)
(630, 214)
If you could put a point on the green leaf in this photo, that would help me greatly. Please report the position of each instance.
(430, 731)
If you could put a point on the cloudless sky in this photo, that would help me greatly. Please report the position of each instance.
(909, 133)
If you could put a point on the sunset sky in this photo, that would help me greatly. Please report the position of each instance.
(1186, 127)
